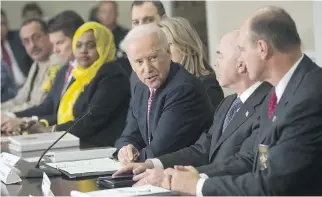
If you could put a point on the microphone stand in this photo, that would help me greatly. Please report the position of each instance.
(36, 171)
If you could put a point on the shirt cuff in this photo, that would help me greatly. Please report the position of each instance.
(10, 115)
(199, 187)
(203, 175)
(156, 163)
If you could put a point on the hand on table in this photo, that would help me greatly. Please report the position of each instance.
(128, 154)
(135, 168)
(150, 176)
(183, 179)
(11, 126)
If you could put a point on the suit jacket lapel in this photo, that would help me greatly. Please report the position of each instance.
(246, 111)
(266, 123)
(153, 112)
(219, 121)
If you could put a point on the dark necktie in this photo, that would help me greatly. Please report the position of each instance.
(152, 91)
(272, 104)
(66, 82)
(231, 112)
(5, 56)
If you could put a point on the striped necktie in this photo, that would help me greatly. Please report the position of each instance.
(231, 112)
(152, 91)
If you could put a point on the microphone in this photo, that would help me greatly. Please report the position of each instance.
(56, 141)
(36, 172)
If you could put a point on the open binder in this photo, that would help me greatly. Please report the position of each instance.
(87, 168)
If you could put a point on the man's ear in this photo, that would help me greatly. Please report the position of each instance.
(264, 49)
(241, 67)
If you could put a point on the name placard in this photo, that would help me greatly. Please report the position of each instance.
(45, 186)
(9, 159)
(8, 175)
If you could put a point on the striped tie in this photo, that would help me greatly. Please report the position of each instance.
(231, 112)
(152, 91)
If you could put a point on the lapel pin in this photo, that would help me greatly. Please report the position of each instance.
(274, 119)
(246, 113)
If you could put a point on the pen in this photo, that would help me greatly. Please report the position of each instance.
(135, 156)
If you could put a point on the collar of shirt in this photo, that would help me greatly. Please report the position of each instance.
(152, 89)
(246, 94)
(279, 89)
(73, 63)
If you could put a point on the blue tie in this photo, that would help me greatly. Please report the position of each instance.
(231, 112)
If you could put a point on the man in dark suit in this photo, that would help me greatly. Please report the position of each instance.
(286, 158)
(233, 123)
(170, 108)
(13, 52)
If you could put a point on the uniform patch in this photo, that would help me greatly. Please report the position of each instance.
(263, 155)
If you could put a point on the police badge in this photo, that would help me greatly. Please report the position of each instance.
(263, 155)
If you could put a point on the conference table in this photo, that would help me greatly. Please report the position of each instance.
(60, 185)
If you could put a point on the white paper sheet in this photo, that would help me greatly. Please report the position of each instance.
(126, 191)
(86, 166)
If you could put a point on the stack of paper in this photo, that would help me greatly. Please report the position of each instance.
(126, 191)
(85, 154)
(41, 141)
(4, 139)
(83, 167)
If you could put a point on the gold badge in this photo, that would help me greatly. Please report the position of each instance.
(263, 155)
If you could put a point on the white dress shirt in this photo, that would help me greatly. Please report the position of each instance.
(17, 73)
(280, 87)
(66, 85)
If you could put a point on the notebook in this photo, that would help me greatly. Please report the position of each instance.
(85, 168)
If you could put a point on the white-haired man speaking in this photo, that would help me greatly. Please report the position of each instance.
(170, 109)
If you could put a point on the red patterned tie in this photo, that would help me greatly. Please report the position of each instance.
(272, 104)
(152, 91)
(5, 56)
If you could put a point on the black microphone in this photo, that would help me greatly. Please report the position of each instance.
(56, 141)
(36, 171)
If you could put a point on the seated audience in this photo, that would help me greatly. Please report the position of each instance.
(233, 123)
(95, 105)
(170, 108)
(13, 52)
(8, 86)
(107, 13)
(35, 38)
(187, 49)
(286, 157)
(30, 11)
(61, 31)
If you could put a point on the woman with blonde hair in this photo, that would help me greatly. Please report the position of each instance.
(187, 49)
(94, 107)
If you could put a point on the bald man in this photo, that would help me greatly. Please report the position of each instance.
(286, 158)
(233, 123)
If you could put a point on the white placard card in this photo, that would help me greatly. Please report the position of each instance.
(9, 159)
(8, 175)
(45, 186)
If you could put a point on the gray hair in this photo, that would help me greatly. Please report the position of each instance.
(142, 31)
